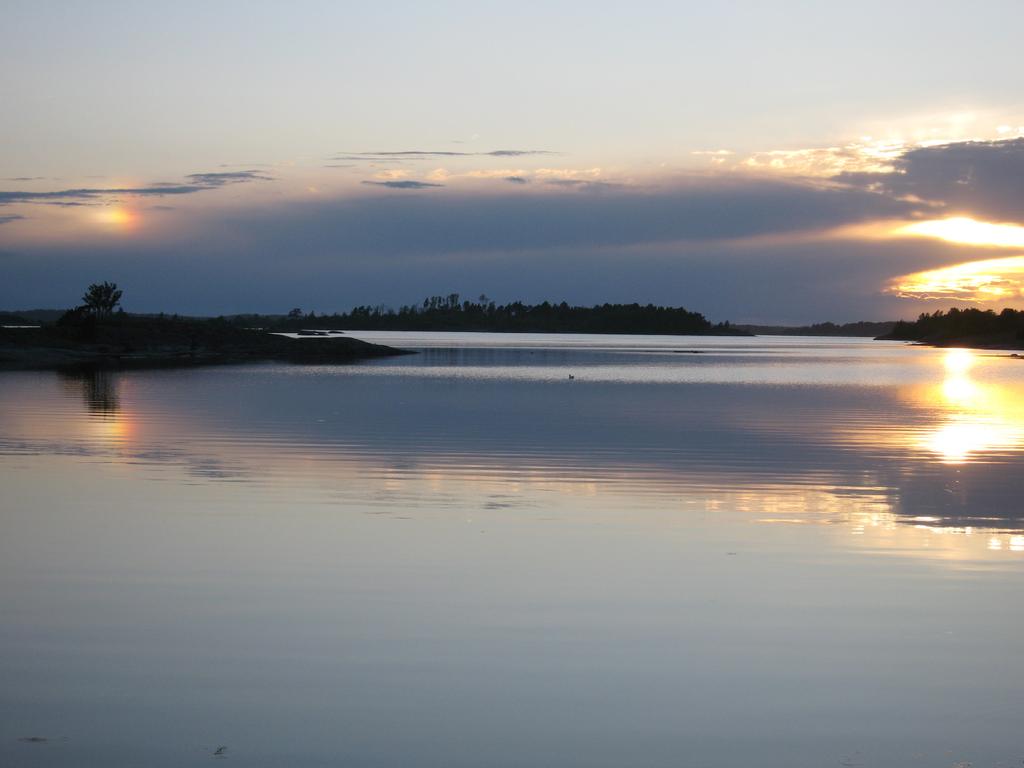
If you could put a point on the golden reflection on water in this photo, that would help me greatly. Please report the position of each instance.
(117, 429)
(975, 419)
(867, 522)
(1014, 543)
(107, 420)
(955, 420)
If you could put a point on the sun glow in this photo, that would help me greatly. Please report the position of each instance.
(979, 281)
(966, 231)
(117, 217)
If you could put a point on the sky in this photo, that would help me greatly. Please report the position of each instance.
(783, 162)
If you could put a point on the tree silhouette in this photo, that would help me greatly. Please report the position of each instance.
(101, 298)
(439, 313)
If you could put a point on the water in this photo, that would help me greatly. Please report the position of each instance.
(519, 550)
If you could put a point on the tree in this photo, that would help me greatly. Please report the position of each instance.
(101, 298)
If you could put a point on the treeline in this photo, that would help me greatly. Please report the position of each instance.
(861, 328)
(967, 325)
(452, 313)
(9, 318)
(31, 316)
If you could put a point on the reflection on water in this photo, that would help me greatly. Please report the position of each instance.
(980, 420)
(98, 386)
(706, 551)
(925, 449)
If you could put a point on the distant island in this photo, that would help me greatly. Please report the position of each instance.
(983, 329)
(451, 313)
(869, 328)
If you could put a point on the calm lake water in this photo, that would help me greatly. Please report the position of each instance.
(519, 550)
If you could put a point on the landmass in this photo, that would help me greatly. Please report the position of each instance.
(451, 313)
(31, 316)
(869, 328)
(981, 329)
(130, 341)
(93, 334)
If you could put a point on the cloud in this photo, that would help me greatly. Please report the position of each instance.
(7, 219)
(984, 178)
(305, 260)
(219, 179)
(519, 152)
(696, 209)
(371, 160)
(7, 197)
(731, 245)
(868, 156)
(415, 153)
(495, 173)
(25, 178)
(818, 161)
(974, 281)
(197, 182)
(408, 184)
(582, 184)
(569, 173)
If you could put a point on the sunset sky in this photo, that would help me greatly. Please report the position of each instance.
(780, 162)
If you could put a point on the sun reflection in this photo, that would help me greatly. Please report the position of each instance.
(978, 418)
(958, 361)
(956, 441)
(106, 421)
(113, 429)
(960, 391)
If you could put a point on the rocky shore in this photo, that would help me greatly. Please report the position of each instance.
(129, 342)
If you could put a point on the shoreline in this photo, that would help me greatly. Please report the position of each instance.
(966, 343)
(40, 351)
